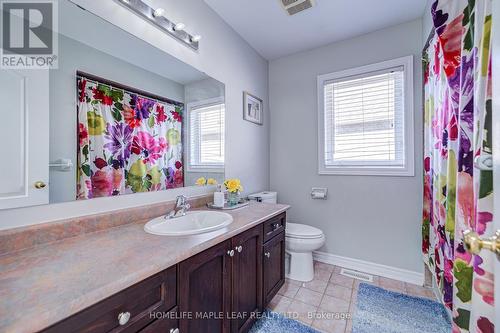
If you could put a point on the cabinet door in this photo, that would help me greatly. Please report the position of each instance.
(25, 137)
(204, 283)
(274, 266)
(247, 278)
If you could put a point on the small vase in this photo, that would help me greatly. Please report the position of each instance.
(233, 198)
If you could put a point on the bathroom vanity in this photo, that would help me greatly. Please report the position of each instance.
(213, 282)
(125, 131)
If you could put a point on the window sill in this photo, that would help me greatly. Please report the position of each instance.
(368, 171)
(205, 169)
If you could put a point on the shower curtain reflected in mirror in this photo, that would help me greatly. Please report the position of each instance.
(128, 143)
(457, 195)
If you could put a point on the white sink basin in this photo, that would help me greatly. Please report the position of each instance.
(195, 222)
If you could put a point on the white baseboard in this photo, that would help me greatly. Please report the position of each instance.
(371, 268)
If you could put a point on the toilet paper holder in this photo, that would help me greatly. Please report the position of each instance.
(319, 193)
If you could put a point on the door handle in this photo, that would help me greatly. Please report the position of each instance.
(268, 254)
(474, 244)
(39, 185)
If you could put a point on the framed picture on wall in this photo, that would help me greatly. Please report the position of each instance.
(253, 108)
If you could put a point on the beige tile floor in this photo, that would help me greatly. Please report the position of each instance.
(327, 303)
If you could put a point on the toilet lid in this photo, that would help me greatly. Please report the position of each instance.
(296, 230)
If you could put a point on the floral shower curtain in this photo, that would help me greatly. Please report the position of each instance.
(458, 196)
(127, 143)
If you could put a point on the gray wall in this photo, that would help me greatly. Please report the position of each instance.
(376, 219)
(75, 56)
(427, 24)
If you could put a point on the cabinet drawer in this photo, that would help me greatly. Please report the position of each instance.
(157, 293)
(168, 324)
(274, 226)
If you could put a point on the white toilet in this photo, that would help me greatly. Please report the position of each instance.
(300, 242)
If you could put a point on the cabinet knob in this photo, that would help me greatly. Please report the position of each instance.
(230, 253)
(268, 254)
(174, 330)
(123, 318)
(276, 226)
(39, 185)
(239, 248)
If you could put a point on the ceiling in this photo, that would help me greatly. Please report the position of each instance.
(267, 27)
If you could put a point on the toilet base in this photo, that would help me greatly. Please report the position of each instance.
(301, 266)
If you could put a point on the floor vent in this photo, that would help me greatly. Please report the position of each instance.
(356, 275)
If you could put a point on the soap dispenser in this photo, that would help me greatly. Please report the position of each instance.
(219, 199)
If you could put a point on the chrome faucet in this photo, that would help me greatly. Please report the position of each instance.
(180, 209)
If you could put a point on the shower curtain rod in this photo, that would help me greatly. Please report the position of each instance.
(113, 84)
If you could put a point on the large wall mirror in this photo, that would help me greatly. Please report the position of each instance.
(123, 117)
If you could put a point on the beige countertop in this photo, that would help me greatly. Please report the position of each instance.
(43, 285)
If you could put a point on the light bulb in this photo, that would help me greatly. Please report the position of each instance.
(179, 26)
(195, 38)
(158, 12)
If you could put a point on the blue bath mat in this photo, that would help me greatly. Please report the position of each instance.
(384, 311)
(272, 322)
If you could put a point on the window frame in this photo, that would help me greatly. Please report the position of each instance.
(197, 105)
(384, 170)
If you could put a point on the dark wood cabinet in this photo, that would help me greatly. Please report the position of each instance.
(247, 279)
(205, 290)
(273, 266)
(220, 290)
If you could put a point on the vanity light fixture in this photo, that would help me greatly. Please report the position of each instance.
(155, 16)
(179, 26)
(158, 12)
(195, 38)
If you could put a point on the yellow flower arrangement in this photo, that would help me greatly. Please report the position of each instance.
(201, 181)
(233, 185)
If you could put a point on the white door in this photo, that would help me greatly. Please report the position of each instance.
(24, 133)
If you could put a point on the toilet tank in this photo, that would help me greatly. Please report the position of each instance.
(266, 196)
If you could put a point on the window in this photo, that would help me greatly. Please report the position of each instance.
(366, 120)
(206, 135)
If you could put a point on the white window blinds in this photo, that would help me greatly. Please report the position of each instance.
(206, 136)
(364, 120)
